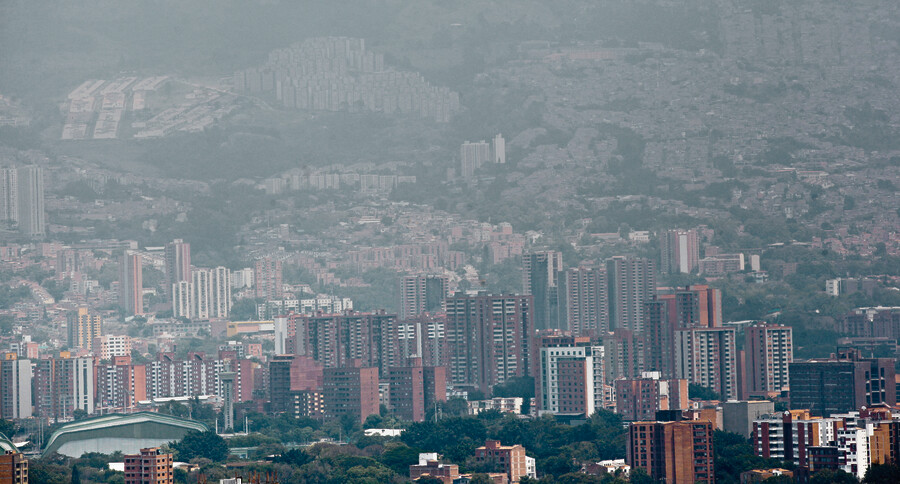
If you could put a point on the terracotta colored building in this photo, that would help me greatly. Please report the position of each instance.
(760, 475)
(151, 466)
(509, 458)
(768, 352)
(289, 374)
(641, 398)
(350, 391)
(13, 468)
(414, 389)
(430, 466)
(679, 451)
(699, 306)
(120, 384)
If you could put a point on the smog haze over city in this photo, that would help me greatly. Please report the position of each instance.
(495, 241)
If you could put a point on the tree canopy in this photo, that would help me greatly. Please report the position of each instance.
(207, 444)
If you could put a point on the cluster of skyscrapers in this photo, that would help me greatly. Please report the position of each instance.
(340, 74)
(195, 293)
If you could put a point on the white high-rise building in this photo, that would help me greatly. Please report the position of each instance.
(178, 261)
(281, 335)
(472, 156)
(499, 149)
(9, 195)
(853, 449)
(571, 376)
(242, 278)
(221, 292)
(83, 384)
(206, 295)
(32, 219)
(202, 293)
(16, 387)
(182, 299)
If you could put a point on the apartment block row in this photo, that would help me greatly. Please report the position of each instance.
(852, 442)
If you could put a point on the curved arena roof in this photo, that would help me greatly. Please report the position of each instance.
(7, 445)
(127, 433)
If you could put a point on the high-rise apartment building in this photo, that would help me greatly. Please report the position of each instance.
(151, 466)
(75, 379)
(413, 389)
(488, 338)
(131, 284)
(9, 195)
(178, 261)
(851, 442)
(247, 375)
(768, 350)
(498, 149)
(62, 385)
(680, 251)
(541, 272)
(201, 280)
(632, 282)
(109, 346)
(640, 398)
(789, 436)
(120, 385)
(690, 307)
(15, 387)
(625, 352)
(206, 295)
(336, 340)
(182, 299)
(569, 375)
(267, 279)
(707, 357)
(220, 305)
(242, 278)
(587, 301)
(423, 336)
(698, 306)
(82, 327)
(472, 156)
(422, 293)
(843, 383)
(680, 451)
(350, 391)
(289, 374)
(32, 218)
(661, 321)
